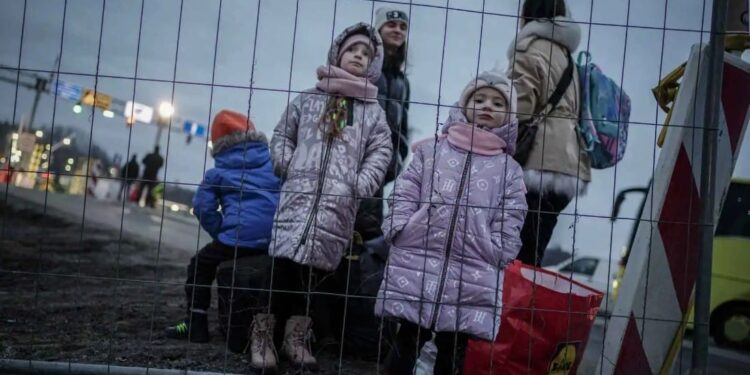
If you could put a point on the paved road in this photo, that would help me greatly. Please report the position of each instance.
(174, 232)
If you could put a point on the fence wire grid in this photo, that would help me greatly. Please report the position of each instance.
(94, 261)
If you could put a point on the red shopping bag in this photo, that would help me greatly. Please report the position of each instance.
(135, 192)
(544, 326)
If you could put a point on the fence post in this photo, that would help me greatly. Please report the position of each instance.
(708, 180)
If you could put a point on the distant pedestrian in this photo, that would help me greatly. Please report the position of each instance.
(152, 163)
(128, 174)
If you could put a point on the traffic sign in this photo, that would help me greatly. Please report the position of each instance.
(194, 128)
(135, 111)
(96, 99)
(656, 297)
(69, 91)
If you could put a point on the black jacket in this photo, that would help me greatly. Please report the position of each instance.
(130, 170)
(393, 95)
(151, 165)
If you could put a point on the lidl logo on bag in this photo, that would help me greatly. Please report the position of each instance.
(564, 358)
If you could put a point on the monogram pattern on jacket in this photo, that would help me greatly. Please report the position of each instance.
(454, 224)
(325, 177)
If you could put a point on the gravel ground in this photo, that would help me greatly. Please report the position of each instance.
(82, 294)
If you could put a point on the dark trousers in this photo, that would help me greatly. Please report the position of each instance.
(451, 350)
(125, 190)
(350, 292)
(295, 291)
(370, 216)
(146, 187)
(539, 225)
(201, 271)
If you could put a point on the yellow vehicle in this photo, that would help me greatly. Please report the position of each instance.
(730, 278)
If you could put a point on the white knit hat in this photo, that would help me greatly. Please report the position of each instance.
(386, 14)
(496, 79)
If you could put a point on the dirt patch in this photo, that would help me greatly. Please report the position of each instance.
(77, 293)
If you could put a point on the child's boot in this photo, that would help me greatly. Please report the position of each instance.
(262, 352)
(193, 328)
(296, 344)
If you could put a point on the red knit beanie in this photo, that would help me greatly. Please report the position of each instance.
(227, 122)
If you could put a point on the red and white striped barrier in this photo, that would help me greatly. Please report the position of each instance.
(657, 287)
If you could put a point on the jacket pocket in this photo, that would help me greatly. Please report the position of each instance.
(415, 226)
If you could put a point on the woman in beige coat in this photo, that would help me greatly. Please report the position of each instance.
(558, 167)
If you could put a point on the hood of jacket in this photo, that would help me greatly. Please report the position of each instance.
(376, 65)
(248, 155)
(561, 30)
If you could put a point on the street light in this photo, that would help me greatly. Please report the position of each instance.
(66, 141)
(77, 108)
(39, 134)
(166, 110)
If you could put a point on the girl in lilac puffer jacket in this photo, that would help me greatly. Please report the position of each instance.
(331, 148)
(454, 224)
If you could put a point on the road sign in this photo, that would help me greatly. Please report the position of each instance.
(69, 91)
(135, 111)
(96, 99)
(657, 288)
(194, 128)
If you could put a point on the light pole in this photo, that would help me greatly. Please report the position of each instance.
(66, 141)
(166, 110)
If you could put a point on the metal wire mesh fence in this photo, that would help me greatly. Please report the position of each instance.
(398, 157)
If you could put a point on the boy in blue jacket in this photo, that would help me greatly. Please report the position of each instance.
(235, 204)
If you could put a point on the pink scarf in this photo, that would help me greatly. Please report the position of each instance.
(334, 80)
(474, 139)
(469, 138)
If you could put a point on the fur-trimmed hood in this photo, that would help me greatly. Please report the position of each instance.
(228, 141)
(561, 30)
(245, 156)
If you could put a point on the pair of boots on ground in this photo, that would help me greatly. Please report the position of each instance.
(295, 346)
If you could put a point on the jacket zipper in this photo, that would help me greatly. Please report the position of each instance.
(449, 241)
(316, 202)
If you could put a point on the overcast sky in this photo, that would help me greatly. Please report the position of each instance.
(447, 47)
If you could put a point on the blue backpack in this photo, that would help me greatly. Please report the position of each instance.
(605, 112)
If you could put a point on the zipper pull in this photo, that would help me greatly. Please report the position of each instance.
(349, 112)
